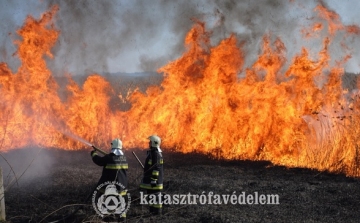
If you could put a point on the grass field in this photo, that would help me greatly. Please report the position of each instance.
(59, 182)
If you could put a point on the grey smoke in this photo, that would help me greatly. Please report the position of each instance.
(94, 32)
(23, 165)
(135, 36)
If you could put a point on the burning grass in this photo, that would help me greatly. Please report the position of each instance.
(282, 114)
(289, 111)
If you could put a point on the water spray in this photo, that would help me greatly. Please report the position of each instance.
(79, 139)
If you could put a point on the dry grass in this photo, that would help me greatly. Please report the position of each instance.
(305, 195)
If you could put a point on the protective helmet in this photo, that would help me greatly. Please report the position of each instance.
(116, 146)
(155, 141)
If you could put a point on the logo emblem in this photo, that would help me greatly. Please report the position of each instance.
(111, 198)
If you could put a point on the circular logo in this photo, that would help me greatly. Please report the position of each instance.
(111, 198)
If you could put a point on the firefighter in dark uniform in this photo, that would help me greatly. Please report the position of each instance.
(153, 173)
(115, 168)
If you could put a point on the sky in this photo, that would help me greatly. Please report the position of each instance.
(129, 36)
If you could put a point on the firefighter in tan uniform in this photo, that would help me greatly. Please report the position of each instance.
(153, 173)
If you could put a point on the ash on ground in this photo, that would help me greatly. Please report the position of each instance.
(62, 189)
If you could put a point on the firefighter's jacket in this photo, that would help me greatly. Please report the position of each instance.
(114, 168)
(153, 170)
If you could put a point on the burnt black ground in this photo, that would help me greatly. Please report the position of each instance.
(68, 177)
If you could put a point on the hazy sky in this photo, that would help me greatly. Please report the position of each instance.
(135, 36)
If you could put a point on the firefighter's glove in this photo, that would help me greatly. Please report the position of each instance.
(153, 183)
(92, 153)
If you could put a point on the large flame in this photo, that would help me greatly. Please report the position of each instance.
(290, 112)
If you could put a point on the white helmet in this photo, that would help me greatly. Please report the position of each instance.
(155, 141)
(116, 146)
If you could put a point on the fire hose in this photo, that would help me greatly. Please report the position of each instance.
(77, 209)
(103, 152)
(77, 138)
(100, 151)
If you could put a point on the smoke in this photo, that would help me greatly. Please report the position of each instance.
(23, 165)
(95, 34)
(134, 36)
(12, 16)
(251, 20)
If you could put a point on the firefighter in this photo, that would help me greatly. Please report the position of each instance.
(115, 168)
(153, 173)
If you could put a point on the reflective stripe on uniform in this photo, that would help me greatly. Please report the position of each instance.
(117, 166)
(155, 173)
(94, 154)
(148, 186)
(122, 193)
(161, 161)
(156, 205)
